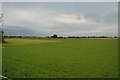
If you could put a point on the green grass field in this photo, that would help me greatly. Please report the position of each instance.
(60, 58)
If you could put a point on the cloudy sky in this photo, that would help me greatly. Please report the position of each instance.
(61, 18)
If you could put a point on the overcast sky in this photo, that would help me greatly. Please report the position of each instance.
(63, 19)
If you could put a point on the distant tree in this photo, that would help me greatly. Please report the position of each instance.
(61, 37)
(103, 37)
(48, 37)
(54, 36)
(77, 37)
(83, 37)
(115, 37)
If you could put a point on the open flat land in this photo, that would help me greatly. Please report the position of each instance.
(60, 58)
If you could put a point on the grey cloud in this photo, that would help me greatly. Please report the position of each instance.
(61, 18)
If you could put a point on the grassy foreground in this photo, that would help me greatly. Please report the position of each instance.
(60, 58)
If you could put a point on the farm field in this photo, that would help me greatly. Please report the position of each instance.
(60, 58)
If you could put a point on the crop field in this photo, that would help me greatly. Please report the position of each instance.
(60, 58)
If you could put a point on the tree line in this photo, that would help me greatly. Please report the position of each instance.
(61, 37)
